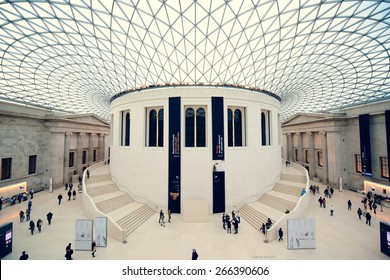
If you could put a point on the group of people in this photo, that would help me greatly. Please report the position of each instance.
(266, 226)
(161, 219)
(314, 189)
(227, 222)
(23, 196)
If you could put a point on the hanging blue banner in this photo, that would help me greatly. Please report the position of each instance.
(174, 171)
(387, 117)
(217, 128)
(365, 145)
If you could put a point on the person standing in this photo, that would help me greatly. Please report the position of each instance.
(74, 194)
(28, 213)
(374, 206)
(32, 227)
(169, 216)
(324, 202)
(31, 193)
(224, 221)
(194, 255)
(69, 194)
(49, 216)
(331, 210)
(360, 213)
(161, 215)
(280, 234)
(88, 173)
(349, 205)
(24, 256)
(59, 198)
(93, 248)
(39, 224)
(69, 252)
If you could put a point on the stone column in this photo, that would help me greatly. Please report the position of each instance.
(312, 156)
(325, 155)
(300, 148)
(66, 156)
(285, 145)
(90, 148)
(101, 147)
(79, 156)
(291, 148)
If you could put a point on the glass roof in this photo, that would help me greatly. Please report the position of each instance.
(75, 55)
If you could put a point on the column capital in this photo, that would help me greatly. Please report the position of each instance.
(288, 133)
(81, 134)
(68, 133)
(309, 133)
(322, 132)
(298, 133)
(92, 134)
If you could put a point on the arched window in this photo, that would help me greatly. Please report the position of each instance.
(230, 128)
(200, 127)
(263, 130)
(161, 127)
(236, 126)
(190, 127)
(155, 127)
(127, 130)
(152, 128)
(265, 127)
(195, 127)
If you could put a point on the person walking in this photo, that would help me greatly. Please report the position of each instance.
(360, 213)
(74, 194)
(32, 227)
(28, 213)
(374, 206)
(49, 216)
(324, 202)
(224, 221)
(69, 194)
(21, 216)
(194, 255)
(24, 256)
(349, 205)
(331, 210)
(280, 234)
(39, 225)
(87, 173)
(161, 215)
(368, 218)
(59, 198)
(93, 248)
(320, 201)
(169, 216)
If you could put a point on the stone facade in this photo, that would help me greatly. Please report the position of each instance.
(27, 131)
(326, 144)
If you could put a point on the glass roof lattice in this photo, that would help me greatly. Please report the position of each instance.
(74, 55)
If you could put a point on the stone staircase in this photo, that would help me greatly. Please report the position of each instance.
(118, 206)
(273, 204)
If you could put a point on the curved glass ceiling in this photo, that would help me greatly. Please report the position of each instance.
(75, 55)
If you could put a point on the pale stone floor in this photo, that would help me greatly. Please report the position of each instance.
(341, 237)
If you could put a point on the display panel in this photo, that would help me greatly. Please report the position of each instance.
(5, 240)
(84, 234)
(385, 238)
(101, 231)
(301, 234)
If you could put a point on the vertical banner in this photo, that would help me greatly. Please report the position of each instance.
(387, 117)
(174, 155)
(101, 231)
(218, 192)
(83, 235)
(217, 127)
(365, 146)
